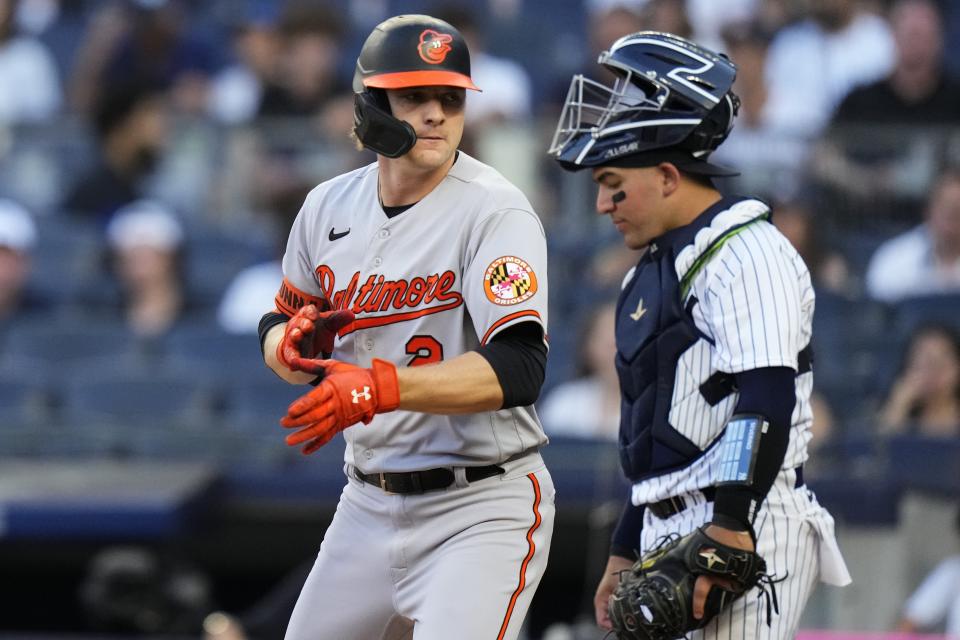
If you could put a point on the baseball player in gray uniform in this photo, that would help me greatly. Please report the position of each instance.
(424, 276)
(713, 330)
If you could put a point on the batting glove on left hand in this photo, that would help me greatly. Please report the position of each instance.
(310, 333)
(348, 394)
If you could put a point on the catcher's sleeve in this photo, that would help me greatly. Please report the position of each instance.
(626, 535)
(769, 392)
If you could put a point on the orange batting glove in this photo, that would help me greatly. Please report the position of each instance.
(310, 333)
(348, 394)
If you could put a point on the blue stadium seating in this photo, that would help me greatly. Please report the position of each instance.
(851, 338)
(22, 402)
(66, 255)
(926, 464)
(911, 313)
(213, 258)
(134, 401)
(259, 404)
(56, 344)
(207, 444)
(858, 248)
(202, 349)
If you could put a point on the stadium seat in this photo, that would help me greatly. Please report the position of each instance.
(213, 259)
(67, 254)
(561, 359)
(574, 460)
(55, 344)
(204, 349)
(858, 248)
(840, 321)
(851, 338)
(926, 464)
(260, 404)
(134, 401)
(211, 444)
(911, 313)
(22, 402)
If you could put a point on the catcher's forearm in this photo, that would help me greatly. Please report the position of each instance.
(771, 393)
(465, 384)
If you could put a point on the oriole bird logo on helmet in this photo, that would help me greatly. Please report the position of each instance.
(434, 46)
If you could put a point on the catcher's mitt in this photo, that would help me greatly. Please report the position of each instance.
(654, 600)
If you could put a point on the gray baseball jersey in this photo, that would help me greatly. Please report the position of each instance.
(434, 282)
(448, 274)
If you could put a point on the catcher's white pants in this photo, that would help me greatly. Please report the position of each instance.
(795, 537)
(460, 563)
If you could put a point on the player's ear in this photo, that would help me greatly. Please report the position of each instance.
(669, 178)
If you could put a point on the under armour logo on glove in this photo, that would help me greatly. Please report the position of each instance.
(336, 402)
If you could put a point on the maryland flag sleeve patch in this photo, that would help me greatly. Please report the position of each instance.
(509, 280)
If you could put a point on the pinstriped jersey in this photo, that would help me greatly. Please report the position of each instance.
(438, 280)
(751, 300)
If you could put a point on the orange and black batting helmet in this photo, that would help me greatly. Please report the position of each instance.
(404, 51)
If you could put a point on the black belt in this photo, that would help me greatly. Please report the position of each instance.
(672, 506)
(421, 481)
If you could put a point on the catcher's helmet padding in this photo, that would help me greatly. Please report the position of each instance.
(404, 51)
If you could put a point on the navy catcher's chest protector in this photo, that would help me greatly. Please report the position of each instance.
(653, 330)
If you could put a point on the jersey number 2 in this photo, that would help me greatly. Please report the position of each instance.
(424, 349)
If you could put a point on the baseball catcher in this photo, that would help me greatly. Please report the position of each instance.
(715, 377)
(654, 600)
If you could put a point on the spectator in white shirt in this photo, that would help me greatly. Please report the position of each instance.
(926, 259)
(248, 294)
(18, 234)
(769, 155)
(29, 84)
(813, 64)
(936, 601)
(237, 89)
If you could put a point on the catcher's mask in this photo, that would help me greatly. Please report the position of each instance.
(670, 97)
(404, 51)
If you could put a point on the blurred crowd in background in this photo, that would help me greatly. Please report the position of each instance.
(153, 154)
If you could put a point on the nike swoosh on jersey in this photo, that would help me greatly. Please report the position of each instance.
(336, 236)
